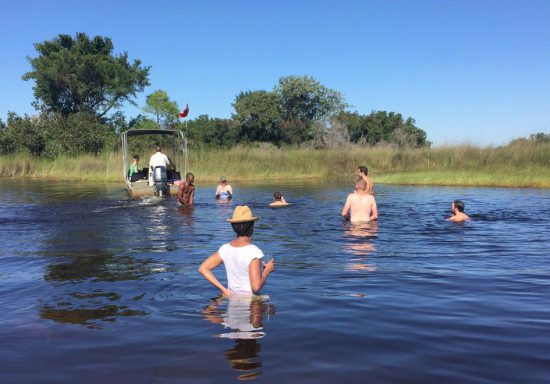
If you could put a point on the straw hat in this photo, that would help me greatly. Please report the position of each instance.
(242, 214)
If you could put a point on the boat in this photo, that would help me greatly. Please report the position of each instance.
(165, 182)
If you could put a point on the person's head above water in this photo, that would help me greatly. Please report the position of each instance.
(189, 177)
(277, 196)
(459, 205)
(362, 170)
(361, 185)
(223, 180)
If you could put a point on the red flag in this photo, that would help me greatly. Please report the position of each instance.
(185, 112)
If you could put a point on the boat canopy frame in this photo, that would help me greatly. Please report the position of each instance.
(179, 140)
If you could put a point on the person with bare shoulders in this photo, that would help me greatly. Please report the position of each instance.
(457, 208)
(246, 274)
(279, 201)
(186, 191)
(224, 190)
(361, 204)
(362, 174)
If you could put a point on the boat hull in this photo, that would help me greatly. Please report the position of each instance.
(142, 188)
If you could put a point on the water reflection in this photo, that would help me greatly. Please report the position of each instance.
(359, 243)
(78, 303)
(186, 215)
(244, 321)
(91, 313)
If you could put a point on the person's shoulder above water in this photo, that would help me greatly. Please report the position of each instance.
(279, 201)
(457, 208)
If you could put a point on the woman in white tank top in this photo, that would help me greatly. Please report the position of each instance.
(240, 257)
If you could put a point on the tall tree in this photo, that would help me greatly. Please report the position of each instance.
(258, 115)
(306, 99)
(165, 111)
(83, 75)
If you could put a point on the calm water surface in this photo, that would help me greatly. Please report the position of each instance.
(97, 287)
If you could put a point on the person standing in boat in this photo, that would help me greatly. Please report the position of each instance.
(158, 159)
(224, 190)
(186, 191)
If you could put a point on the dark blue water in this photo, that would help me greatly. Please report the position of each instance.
(96, 287)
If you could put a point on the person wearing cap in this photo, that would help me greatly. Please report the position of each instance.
(245, 274)
(224, 190)
(457, 208)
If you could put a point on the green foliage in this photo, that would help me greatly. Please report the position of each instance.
(258, 115)
(536, 138)
(211, 132)
(82, 75)
(164, 110)
(383, 127)
(53, 134)
(306, 99)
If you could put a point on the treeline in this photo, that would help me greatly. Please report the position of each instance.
(80, 86)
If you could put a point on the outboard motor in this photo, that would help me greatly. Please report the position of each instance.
(160, 180)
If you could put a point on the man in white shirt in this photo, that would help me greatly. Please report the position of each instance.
(158, 159)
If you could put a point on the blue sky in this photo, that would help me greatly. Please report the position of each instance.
(467, 71)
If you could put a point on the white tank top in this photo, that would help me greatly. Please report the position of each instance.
(236, 261)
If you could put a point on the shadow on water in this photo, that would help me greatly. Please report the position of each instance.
(243, 317)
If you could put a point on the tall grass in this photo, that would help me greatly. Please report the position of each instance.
(513, 166)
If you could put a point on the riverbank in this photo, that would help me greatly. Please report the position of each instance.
(510, 166)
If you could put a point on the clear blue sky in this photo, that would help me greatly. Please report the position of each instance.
(476, 71)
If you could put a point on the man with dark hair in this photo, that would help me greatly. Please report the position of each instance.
(362, 174)
(457, 208)
(240, 257)
(279, 200)
(186, 191)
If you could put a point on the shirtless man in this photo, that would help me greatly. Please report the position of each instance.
(457, 208)
(362, 173)
(361, 203)
(279, 200)
(224, 190)
(186, 192)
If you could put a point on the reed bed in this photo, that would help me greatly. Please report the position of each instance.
(509, 166)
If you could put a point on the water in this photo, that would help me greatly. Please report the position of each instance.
(97, 287)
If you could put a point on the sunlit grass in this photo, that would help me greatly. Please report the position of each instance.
(510, 166)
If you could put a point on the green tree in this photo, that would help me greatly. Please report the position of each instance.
(385, 127)
(306, 99)
(213, 132)
(258, 115)
(83, 75)
(165, 111)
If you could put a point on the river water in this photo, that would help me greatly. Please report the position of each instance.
(98, 287)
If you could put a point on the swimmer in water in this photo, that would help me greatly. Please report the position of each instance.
(279, 200)
(224, 190)
(457, 208)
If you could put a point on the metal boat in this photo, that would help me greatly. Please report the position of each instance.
(159, 181)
